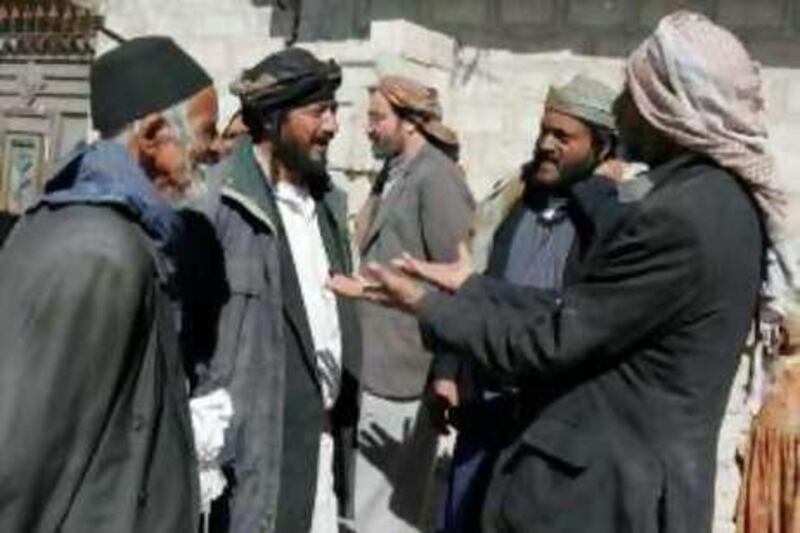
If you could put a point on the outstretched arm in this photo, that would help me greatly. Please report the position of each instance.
(639, 282)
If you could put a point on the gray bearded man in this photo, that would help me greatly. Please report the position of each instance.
(625, 374)
(285, 348)
(94, 423)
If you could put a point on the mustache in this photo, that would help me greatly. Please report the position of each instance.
(539, 159)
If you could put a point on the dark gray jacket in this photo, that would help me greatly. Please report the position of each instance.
(625, 377)
(426, 213)
(249, 355)
(94, 423)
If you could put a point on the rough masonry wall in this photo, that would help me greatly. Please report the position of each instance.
(595, 27)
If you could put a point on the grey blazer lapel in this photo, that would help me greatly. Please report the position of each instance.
(384, 206)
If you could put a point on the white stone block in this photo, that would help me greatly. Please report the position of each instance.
(225, 25)
(793, 95)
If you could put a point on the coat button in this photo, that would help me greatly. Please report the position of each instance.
(141, 498)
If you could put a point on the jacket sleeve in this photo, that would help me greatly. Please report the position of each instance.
(639, 282)
(446, 215)
(78, 326)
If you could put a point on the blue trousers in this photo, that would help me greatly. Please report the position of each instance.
(483, 431)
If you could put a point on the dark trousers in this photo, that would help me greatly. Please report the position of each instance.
(485, 427)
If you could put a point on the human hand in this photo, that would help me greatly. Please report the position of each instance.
(445, 401)
(447, 276)
(611, 169)
(446, 391)
(348, 286)
(380, 285)
(618, 171)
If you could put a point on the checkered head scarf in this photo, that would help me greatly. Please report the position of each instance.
(695, 82)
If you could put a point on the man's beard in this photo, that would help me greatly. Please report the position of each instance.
(381, 150)
(312, 171)
(196, 186)
(567, 176)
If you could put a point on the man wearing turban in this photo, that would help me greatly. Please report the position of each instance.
(420, 204)
(286, 349)
(94, 421)
(625, 374)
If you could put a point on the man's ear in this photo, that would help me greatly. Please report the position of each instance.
(146, 138)
(606, 145)
(607, 150)
(409, 128)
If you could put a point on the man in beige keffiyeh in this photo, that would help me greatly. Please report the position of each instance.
(695, 83)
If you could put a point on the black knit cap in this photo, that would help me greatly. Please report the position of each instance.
(141, 76)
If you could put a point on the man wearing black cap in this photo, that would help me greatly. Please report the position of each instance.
(287, 349)
(94, 425)
(171, 143)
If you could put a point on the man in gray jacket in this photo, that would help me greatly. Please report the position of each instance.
(286, 349)
(419, 204)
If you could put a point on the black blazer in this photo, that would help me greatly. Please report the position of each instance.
(625, 375)
(592, 208)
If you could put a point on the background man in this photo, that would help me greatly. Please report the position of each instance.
(626, 374)
(549, 218)
(287, 350)
(420, 203)
(94, 421)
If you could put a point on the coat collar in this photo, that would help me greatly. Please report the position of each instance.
(244, 182)
(103, 173)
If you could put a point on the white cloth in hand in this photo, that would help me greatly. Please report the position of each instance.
(211, 416)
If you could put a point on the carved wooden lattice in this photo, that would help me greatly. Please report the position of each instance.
(46, 27)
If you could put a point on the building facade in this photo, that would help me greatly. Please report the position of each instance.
(45, 51)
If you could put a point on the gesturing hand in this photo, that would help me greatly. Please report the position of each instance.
(447, 276)
(380, 285)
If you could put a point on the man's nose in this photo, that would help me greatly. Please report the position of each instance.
(330, 122)
(546, 143)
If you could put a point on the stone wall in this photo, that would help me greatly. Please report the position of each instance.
(224, 35)
(596, 27)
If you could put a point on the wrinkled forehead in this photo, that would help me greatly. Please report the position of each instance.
(560, 120)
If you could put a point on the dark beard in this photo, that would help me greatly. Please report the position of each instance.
(313, 173)
(568, 176)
